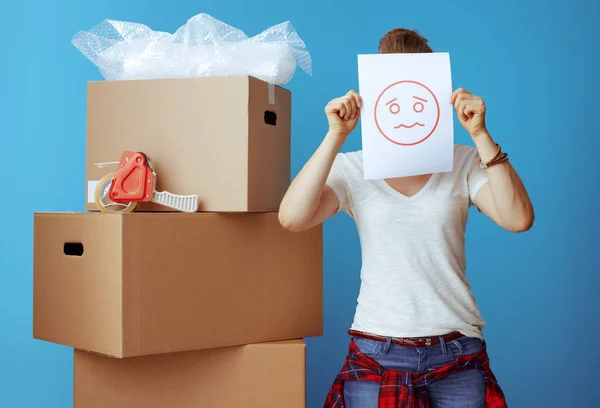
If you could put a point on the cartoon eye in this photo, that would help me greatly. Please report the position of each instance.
(418, 107)
(395, 108)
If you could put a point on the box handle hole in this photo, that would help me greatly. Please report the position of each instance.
(73, 249)
(270, 118)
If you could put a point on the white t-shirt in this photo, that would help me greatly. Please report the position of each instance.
(413, 281)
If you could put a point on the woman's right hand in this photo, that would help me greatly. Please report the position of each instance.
(308, 200)
(343, 113)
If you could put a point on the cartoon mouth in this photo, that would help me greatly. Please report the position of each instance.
(401, 125)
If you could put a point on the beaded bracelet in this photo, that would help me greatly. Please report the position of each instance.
(500, 157)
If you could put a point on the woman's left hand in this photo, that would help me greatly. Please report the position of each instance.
(470, 110)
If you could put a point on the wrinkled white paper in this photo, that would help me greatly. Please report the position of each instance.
(407, 120)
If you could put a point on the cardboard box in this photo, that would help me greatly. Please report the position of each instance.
(226, 139)
(268, 375)
(137, 284)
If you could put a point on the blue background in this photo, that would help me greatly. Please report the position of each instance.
(536, 64)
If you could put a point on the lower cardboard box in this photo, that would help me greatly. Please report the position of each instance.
(266, 375)
(136, 284)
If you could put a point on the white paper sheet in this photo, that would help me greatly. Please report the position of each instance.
(406, 119)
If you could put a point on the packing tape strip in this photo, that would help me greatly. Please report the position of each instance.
(271, 94)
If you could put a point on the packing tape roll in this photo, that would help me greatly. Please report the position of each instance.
(272, 94)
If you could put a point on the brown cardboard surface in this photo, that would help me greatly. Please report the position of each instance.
(205, 136)
(151, 283)
(73, 293)
(266, 375)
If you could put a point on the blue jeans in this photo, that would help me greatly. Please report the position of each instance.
(461, 390)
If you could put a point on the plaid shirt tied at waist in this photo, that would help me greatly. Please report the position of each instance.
(399, 389)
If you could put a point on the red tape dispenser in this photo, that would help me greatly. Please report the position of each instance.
(134, 182)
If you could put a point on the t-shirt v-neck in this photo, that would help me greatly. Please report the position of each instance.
(416, 195)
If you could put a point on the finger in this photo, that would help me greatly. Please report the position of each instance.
(353, 106)
(336, 106)
(475, 98)
(356, 97)
(348, 109)
(470, 110)
(457, 92)
(474, 109)
(460, 110)
(342, 110)
(332, 106)
(458, 99)
(453, 96)
(465, 98)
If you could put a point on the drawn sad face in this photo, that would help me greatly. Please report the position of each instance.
(407, 113)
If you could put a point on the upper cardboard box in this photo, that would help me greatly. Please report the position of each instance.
(137, 284)
(225, 139)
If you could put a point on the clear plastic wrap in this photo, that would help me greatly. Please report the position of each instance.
(204, 46)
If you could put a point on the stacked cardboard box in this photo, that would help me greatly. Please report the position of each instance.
(189, 310)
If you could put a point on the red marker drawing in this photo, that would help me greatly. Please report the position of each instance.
(407, 113)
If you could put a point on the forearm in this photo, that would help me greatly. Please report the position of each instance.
(513, 206)
(302, 199)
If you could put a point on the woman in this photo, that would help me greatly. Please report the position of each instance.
(415, 312)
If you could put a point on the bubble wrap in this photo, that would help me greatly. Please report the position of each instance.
(204, 46)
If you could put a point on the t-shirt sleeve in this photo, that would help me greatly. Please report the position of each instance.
(476, 177)
(338, 182)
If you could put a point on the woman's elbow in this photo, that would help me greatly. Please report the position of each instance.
(289, 223)
(524, 224)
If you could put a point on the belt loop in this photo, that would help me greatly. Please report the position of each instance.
(444, 347)
(386, 346)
